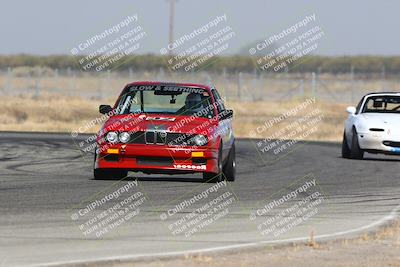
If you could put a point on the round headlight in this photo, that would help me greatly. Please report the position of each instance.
(124, 137)
(112, 137)
(200, 140)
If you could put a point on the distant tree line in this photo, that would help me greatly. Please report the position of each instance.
(229, 64)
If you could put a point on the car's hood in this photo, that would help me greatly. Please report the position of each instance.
(383, 120)
(160, 122)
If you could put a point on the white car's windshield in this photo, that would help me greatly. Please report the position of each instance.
(382, 104)
(173, 100)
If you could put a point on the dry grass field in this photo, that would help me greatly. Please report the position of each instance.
(55, 113)
(41, 99)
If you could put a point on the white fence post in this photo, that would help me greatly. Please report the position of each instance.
(301, 88)
(383, 76)
(8, 85)
(56, 80)
(37, 89)
(130, 74)
(313, 85)
(9, 80)
(239, 85)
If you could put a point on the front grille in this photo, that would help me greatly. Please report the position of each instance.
(155, 137)
(160, 137)
(149, 138)
(391, 143)
(170, 139)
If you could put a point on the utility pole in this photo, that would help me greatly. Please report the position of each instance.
(171, 22)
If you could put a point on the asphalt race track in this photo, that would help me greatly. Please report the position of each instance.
(45, 181)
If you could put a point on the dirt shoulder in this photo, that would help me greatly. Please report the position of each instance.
(377, 249)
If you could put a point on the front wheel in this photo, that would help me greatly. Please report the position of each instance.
(345, 147)
(210, 177)
(356, 152)
(229, 169)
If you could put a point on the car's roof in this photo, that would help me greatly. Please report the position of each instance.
(382, 93)
(207, 87)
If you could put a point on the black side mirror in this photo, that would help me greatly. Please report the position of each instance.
(105, 109)
(226, 114)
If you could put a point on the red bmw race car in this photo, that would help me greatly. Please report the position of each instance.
(166, 128)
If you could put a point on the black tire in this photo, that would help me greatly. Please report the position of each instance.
(356, 152)
(229, 169)
(210, 177)
(345, 147)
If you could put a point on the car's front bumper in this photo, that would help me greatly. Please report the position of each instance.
(156, 158)
(374, 142)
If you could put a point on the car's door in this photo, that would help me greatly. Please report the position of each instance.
(224, 125)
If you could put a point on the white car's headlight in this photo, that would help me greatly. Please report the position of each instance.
(200, 140)
(124, 137)
(112, 137)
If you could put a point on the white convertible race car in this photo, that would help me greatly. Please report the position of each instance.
(373, 126)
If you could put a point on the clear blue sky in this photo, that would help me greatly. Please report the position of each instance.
(351, 27)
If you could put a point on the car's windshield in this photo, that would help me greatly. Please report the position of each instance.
(163, 99)
(382, 104)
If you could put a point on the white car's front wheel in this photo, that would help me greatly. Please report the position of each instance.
(356, 152)
(345, 147)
